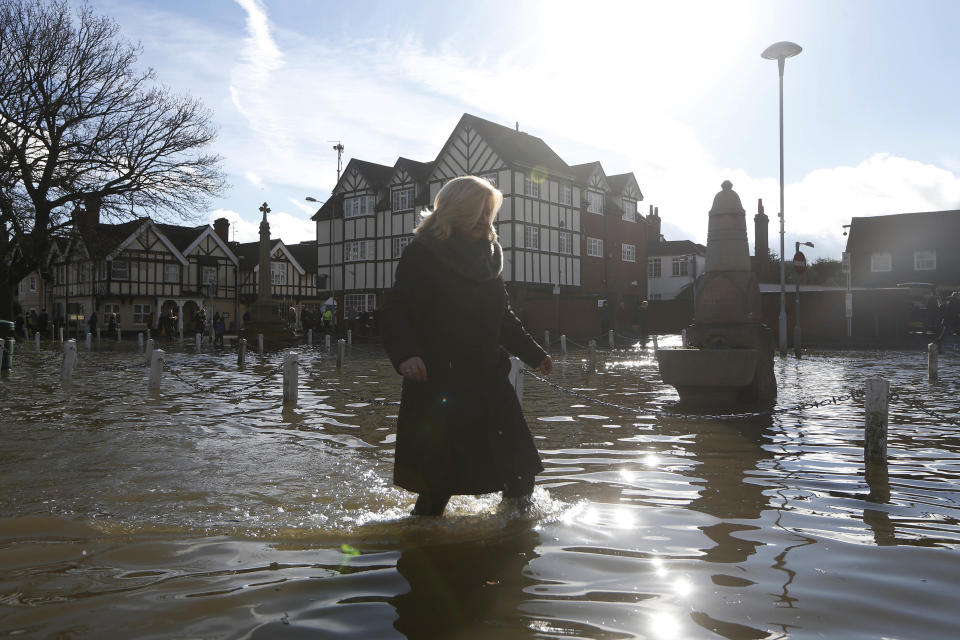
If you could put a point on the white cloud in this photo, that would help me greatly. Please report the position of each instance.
(304, 207)
(290, 228)
(254, 179)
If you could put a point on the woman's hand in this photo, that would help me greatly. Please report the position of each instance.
(546, 366)
(414, 369)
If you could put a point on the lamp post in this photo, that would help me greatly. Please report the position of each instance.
(799, 265)
(780, 51)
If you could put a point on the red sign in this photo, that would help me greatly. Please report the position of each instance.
(799, 263)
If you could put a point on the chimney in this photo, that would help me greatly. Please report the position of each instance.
(222, 227)
(91, 206)
(761, 223)
(653, 221)
(518, 125)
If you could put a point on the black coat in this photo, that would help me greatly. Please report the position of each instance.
(462, 431)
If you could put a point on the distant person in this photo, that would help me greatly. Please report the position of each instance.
(201, 322)
(43, 321)
(92, 322)
(149, 320)
(641, 318)
(112, 326)
(218, 329)
(19, 326)
(447, 328)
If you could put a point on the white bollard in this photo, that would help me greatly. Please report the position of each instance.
(241, 352)
(350, 337)
(148, 333)
(36, 339)
(341, 348)
(180, 333)
(326, 340)
(140, 341)
(61, 334)
(563, 345)
(592, 355)
(290, 378)
(875, 426)
(260, 342)
(683, 338)
(69, 360)
(198, 339)
(932, 351)
(309, 337)
(149, 349)
(610, 338)
(89, 341)
(51, 333)
(516, 377)
(655, 346)
(156, 368)
(546, 338)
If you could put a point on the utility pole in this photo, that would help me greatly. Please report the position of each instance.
(333, 283)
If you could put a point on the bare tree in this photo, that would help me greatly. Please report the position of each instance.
(82, 129)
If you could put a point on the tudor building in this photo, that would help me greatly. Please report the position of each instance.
(572, 241)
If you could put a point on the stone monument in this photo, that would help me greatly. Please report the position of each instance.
(263, 312)
(728, 358)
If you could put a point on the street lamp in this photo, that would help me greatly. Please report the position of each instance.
(780, 51)
(799, 265)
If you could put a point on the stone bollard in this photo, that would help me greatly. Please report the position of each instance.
(180, 333)
(148, 350)
(309, 337)
(51, 333)
(875, 427)
(241, 352)
(326, 340)
(148, 333)
(290, 378)
(69, 360)
(61, 334)
(563, 345)
(516, 377)
(341, 348)
(199, 340)
(89, 341)
(156, 368)
(546, 338)
(592, 356)
(140, 341)
(260, 343)
(350, 337)
(932, 351)
(610, 338)
(36, 340)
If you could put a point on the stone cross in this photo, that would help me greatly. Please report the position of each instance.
(264, 209)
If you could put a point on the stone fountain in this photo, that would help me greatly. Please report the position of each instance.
(727, 360)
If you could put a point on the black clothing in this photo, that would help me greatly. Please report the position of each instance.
(462, 431)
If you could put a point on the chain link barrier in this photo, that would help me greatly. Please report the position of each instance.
(236, 395)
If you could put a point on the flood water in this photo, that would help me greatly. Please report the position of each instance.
(188, 514)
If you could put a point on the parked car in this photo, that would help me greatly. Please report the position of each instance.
(924, 316)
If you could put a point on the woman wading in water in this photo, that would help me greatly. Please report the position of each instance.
(447, 329)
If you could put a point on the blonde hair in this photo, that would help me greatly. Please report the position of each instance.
(457, 205)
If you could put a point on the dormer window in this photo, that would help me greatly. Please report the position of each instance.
(402, 199)
(629, 210)
(358, 206)
(594, 202)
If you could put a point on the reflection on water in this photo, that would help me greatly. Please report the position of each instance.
(183, 513)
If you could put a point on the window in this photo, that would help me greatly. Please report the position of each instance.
(594, 202)
(653, 268)
(566, 193)
(880, 262)
(629, 210)
(171, 272)
(923, 260)
(399, 244)
(208, 275)
(492, 178)
(108, 310)
(278, 273)
(531, 237)
(140, 313)
(81, 273)
(402, 199)
(60, 272)
(628, 253)
(566, 242)
(119, 270)
(358, 250)
(33, 283)
(360, 302)
(358, 206)
(595, 247)
(531, 187)
(679, 265)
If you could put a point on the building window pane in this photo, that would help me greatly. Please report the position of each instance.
(360, 302)
(358, 206)
(880, 262)
(925, 260)
(492, 178)
(278, 273)
(566, 194)
(140, 313)
(628, 253)
(653, 268)
(531, 237)
(629, 210)
(566, 242)
(402, 199)
(531, 187)
(357, 250)
(679, 264)
(594, 202)
(119, 270)
(399, 243)
(595, 247)
(171, 273)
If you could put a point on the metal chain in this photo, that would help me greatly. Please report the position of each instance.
(233, 395)
(339, 388)
(917, 404)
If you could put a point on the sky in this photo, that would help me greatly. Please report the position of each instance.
(675, 92)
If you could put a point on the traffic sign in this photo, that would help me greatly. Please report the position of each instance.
(799, 263)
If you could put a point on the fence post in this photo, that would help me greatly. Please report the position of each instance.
(932, 351)
(592, 355)
(156, 368)
(148, 333)
(69, 359)
(51, 333)
(198, 338)
(309, 337)
(655, 346)
(563, 345)
(341, 348)
(119, 334)
(875, 426)
(139, 340)
(546, 338)
(350, 337)
(610, 338)
(290, 378)
(61, 334)
(326, 340)
(241, 351)
(89, 341)
(149, 349)
(36, 339)
(260, 342)
(516, 377)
